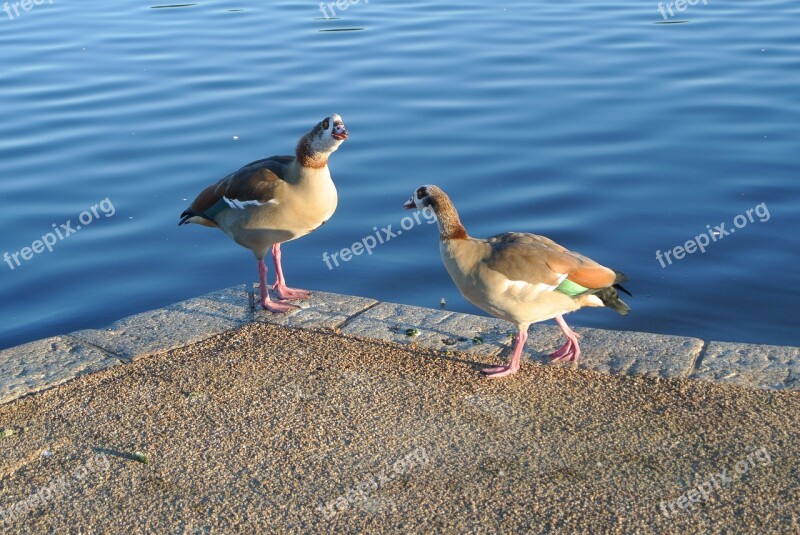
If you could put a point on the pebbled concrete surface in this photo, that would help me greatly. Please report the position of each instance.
(271, 429)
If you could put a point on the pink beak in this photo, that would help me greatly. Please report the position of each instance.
(339, 132)
(409, 204)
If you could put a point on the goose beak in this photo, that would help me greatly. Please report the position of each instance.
(409, 204)
(339, 132)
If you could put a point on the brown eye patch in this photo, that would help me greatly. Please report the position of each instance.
(326, 123)
(421, 192)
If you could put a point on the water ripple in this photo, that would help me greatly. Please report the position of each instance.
(597, 124)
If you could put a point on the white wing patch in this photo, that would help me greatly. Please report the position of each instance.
(517, 285)
(558, 281)
(536, 289)
(241, 205)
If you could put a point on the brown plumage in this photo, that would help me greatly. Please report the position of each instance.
(256, 181)
(535, 259)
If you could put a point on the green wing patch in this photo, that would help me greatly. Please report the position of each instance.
(570, 288)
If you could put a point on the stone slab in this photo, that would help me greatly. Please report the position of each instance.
(754, 365)
(230, 304)
(46, 363)
(616, 352)
(323, 311)
(175, 326)
(605, 351)
(50, 362)
(437, 329)
(625, 352)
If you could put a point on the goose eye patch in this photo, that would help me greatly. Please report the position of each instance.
(326, 123)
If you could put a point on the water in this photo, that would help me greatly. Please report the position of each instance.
(589, 122)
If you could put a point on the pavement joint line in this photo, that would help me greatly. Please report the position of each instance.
(42, 364)
(354, 316)
(110, 353)
(251, 301)
(698, 359)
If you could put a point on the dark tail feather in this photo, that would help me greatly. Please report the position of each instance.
(610, 297)
(621, 277)
(622, 288)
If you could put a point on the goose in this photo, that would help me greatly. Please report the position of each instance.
(274, 200)
(519, 277)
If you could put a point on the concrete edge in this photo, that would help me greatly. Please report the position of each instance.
(43, 364)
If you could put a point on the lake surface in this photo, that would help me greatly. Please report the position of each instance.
(594, 123)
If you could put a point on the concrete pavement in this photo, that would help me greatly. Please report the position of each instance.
(318, 425)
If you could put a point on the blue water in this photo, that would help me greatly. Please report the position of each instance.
(590, 122)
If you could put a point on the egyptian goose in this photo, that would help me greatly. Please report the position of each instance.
(519, 277)
(274, 200)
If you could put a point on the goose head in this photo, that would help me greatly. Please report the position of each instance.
(434, 199)
(327, 135)
(426, 196)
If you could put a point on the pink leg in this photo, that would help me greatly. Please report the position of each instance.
(513, 366)
(571, 350)
(266, 302)
(283, 291)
